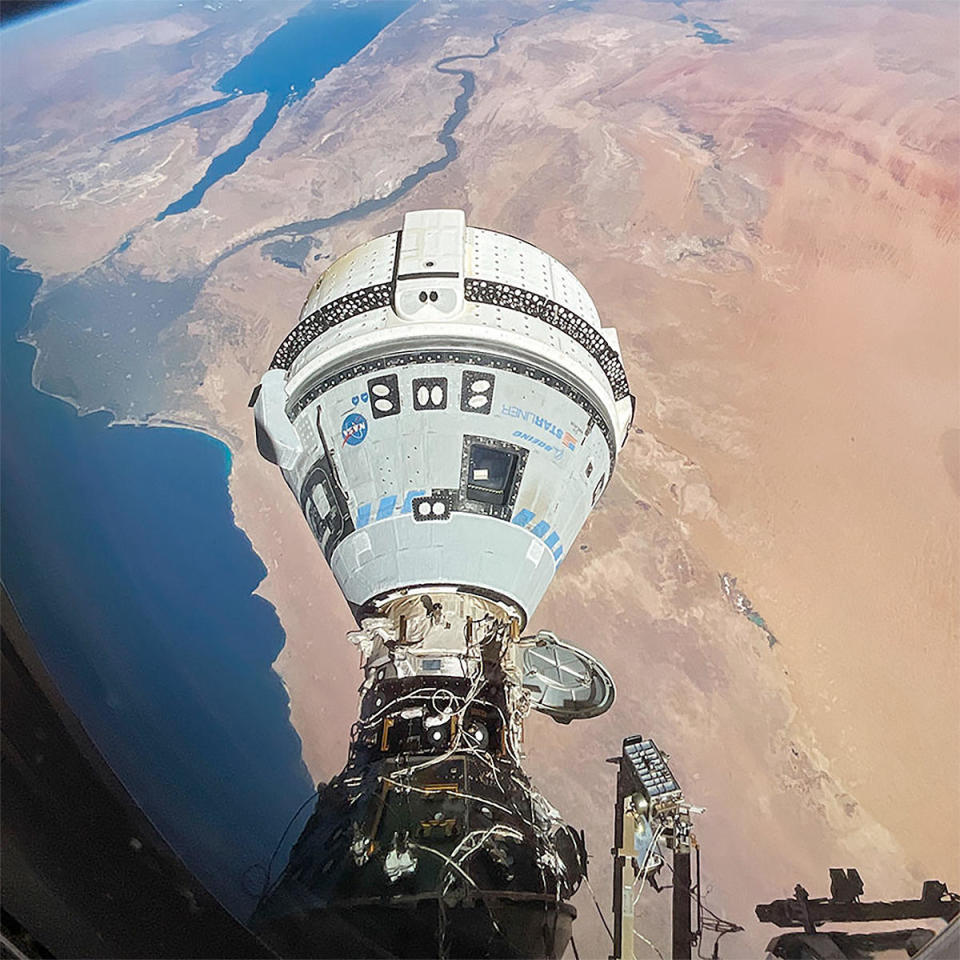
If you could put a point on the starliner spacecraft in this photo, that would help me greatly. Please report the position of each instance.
(447, 412)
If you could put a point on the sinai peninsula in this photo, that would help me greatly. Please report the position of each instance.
(762, 199)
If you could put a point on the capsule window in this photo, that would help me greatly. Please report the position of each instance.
(490, 473)
(430, 393)
(384, 395)
(476, 391)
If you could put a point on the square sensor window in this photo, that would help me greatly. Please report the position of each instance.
(476, 391)
(430, 393)
(384, 395)
(490, 473)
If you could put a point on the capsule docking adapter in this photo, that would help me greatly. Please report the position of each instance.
(447, 412)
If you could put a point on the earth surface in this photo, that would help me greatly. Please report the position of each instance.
(761, 197)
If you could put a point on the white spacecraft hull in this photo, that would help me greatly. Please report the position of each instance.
(413, 351)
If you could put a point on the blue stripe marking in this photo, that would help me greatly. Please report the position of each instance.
(540, 529)
(523, 517)
(552, 539)
(387, 506)
(363, 515)
(408, 500)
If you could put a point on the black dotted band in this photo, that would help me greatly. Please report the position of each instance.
(329, 315)
(476, 291)
(549, 311)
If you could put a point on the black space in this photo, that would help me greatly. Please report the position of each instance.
(11, 10)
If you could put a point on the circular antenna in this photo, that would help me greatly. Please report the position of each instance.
(564, 681)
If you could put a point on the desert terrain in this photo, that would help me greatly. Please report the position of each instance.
(772, 226)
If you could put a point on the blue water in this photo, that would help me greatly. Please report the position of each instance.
(704, 31)
(191, 112)
(451, 150)
(285, 67)
(708, 33)
(119, 550)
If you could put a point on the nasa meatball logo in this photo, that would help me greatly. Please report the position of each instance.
(353, 429)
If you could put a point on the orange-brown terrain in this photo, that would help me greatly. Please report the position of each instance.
(772, 226)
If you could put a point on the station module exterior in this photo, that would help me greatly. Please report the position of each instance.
(446, 412)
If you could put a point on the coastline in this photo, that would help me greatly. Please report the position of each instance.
(207, 428)
(139, 594)
(318, 666)
(282, 595)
